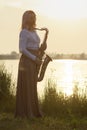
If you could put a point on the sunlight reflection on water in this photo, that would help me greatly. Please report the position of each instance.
(65, 73)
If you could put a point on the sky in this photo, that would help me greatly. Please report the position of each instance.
(65, 19)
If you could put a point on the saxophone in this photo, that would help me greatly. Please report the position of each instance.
(43, 56)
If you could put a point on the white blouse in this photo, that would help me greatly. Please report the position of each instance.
(28, 40)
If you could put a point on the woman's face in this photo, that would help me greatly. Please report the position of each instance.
(29, 20)
(32, 18)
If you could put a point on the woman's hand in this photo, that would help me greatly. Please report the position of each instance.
(43, 46)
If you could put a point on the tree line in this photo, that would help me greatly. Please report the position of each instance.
(54, 55)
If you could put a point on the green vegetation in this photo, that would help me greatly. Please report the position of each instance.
(57, 105)
(7, 99)
(7, 122)
(60, 112)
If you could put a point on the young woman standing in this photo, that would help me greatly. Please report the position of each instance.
(26, 95)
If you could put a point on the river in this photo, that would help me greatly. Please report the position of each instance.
(64, 73)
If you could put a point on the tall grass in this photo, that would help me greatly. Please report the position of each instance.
(7, 99)
(57, 105)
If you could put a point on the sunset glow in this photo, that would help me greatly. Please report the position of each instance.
(65, 19)
(64, 9)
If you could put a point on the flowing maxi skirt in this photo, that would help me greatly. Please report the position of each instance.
(26, 94)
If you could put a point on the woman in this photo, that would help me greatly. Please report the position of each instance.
(26, 96)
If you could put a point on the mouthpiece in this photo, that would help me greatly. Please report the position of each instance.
(42, 29)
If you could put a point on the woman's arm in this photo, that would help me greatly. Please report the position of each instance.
(23, 45)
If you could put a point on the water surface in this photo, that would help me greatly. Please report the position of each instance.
(65, 73)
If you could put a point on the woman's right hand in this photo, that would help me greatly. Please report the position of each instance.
(38, 61)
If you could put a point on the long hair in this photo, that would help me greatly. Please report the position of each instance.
(28, 20)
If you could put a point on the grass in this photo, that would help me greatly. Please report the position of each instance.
(7, 99)
(56, 104)
(8, 122)
(60, 112)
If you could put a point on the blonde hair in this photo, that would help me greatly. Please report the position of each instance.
(28, 20)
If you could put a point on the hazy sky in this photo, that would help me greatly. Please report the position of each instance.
(65, 19)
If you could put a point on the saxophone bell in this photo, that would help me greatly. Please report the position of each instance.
(43, 67)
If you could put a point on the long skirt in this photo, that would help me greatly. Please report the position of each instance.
(26, 96)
